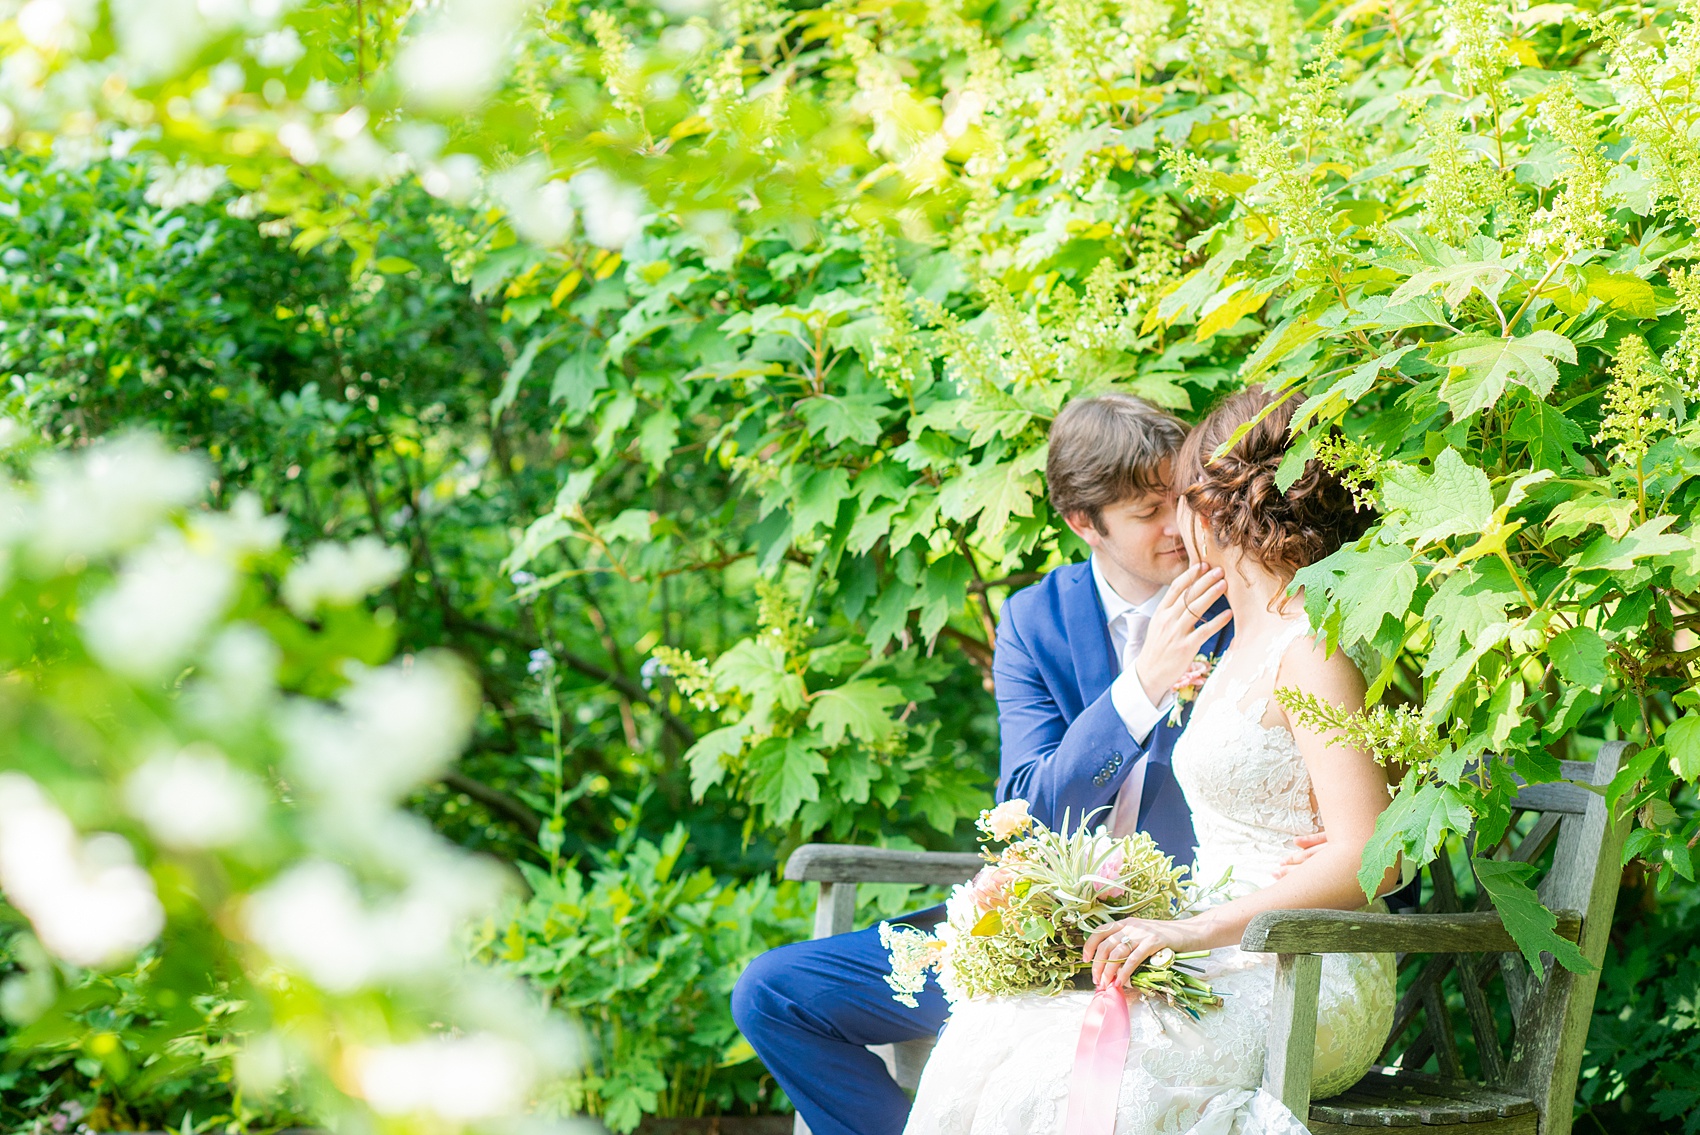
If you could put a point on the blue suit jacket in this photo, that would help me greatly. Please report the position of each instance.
(1064, 747)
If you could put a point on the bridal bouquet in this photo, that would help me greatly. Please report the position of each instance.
(1019, 925)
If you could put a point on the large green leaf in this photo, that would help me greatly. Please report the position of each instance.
(1451, 500)
(844, 417)
(1528, 922)
(1682, 744)
(784, 773)
(1484, 365)
(708, 757)
(1352, 591)
(858, 708)
(1580, 656)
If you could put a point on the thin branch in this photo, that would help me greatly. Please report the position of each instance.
(496, 801)
(585, 666)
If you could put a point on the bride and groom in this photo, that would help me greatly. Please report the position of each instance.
(1191, 554)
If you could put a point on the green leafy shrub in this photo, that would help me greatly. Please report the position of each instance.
(112, 1059)
(792, 294)
(1641, 1070)
(643, 953)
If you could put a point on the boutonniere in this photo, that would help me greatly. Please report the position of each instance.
(1187, 686)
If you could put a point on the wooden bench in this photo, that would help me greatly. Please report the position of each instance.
(1526, 1088)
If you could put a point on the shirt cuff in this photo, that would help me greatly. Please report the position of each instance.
(1134, 707)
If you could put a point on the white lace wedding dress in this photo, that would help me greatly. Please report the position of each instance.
(1002, 1065)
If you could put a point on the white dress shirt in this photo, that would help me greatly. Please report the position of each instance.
(1128, 623)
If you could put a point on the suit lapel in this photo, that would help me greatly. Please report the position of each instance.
(1088, 634)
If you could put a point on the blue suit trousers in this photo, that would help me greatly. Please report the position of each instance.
(811, 1008)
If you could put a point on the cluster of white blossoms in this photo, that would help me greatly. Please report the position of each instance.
(341, 574)
(175, 186)
(356, 897)
(397, 727)
(193, 798)
(315, 919)
(481, 1076)
(87, 900)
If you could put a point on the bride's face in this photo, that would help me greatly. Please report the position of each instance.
(1191, 526)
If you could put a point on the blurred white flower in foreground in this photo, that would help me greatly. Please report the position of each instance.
(457, 58)
(314, 918)
(243, 531)
(279, 48)
(110, 496)
(237, 678)
(399, 727)
(166, 597)
(88, 901)
(613, 212)
(341, 574)
(194, 798)
(175, 186)
(52, 25)
(540, 210)
(481, 1076)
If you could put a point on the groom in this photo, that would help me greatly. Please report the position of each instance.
(1083, 667)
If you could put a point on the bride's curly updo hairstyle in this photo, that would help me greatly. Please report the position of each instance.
(1236, 496)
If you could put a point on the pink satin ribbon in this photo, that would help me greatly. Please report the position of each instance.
(1098, 1061)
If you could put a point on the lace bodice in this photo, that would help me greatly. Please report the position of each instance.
(1246, 782)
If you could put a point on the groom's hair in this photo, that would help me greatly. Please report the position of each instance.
(1106, 450)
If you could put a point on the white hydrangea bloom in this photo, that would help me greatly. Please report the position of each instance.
(54, 25)
(110, 496)
(481, 1076)
(194, 798)
(244, 530)
(176, 186)
(314, 918)
(341, 574)
(166, 597)
(400, 726)
(88, 901)
(280, 48)
(237, 677)
(457, 57)
(613, 212)
(541, 210)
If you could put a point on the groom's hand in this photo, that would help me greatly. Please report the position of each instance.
(1175, 635)
(1306, 847)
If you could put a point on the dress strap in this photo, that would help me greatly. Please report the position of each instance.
(1278, 647)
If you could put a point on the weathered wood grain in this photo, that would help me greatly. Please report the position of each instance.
(1552, 1027)
(835, 911)
(1292, 1030)
(1430, 1107)
(1507, 1103)
(1515, 1125)
(838, 863)
(1353, 932)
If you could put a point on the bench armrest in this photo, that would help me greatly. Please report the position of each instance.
(842, 863)
(1356, 932)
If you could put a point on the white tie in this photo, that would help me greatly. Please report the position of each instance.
(1138, 623)
(1124, 818)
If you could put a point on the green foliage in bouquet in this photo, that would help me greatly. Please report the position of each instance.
(1020, 925)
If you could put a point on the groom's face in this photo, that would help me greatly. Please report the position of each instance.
(1139, 536)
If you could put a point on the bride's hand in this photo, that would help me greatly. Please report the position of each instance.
(1122, 947)
(1175, 635)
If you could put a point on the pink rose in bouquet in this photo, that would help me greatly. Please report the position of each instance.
(991, 888)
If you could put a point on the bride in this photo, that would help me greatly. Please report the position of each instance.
(1256, 782)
